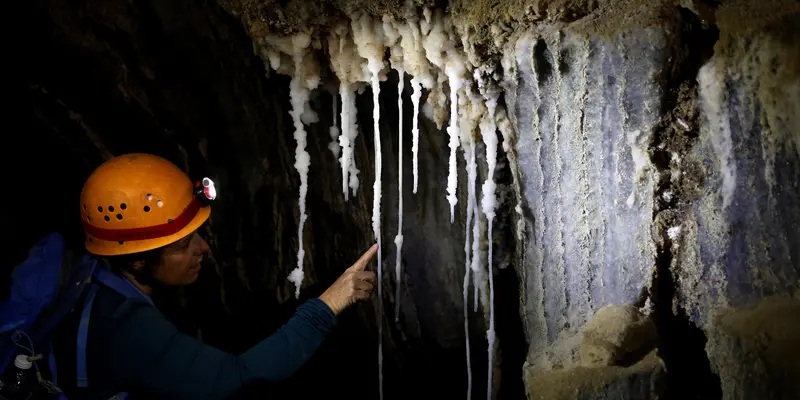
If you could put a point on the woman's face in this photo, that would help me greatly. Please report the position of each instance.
(180, 261)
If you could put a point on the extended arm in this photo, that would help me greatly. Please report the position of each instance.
(152, 354)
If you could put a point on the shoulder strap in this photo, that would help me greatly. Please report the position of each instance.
(122, 286)
(83, 335)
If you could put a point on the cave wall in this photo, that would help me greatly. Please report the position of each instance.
(737, 262)
(624, 125)
(585, 112)
(659, 167)
(741, 232)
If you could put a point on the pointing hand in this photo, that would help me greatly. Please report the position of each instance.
(353, 285)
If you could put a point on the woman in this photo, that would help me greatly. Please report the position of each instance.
(140, 214)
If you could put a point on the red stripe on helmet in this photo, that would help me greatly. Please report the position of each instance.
(147, 232)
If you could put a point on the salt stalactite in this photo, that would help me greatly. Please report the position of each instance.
(304, 79)
(349, 110)
(440, 52)
(369, 40)
(333, 146)
(347, 65)
(471, 111)
(466, 330)
(468, 156)
(416, 64)
(478, 274)
(488, 204)
(453, 72)
(415, 96)
(396, 58)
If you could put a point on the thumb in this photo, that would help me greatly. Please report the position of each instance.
(362, 262)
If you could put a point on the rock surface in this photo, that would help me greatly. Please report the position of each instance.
(739, 235)
(642, 174)
(643, 380)
(756, 351)
(585, 111)
(615, 335)
(737, 241)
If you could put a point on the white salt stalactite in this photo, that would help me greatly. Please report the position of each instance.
(392, 35)
(344, 138)
(376, 204)
(347, 65)
(452, 130)
(370, 46)
(347, 139)
(472, 110)
(489, 203)
(302, 81)
(416, 64)
(466, 330)
(351, 168)
(333, 146)
(415, 97)
(468, 267)
(440, 52)
(398, 240)
(477, 271)
(490, 334)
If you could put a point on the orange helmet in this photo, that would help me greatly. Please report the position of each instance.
(138, 202)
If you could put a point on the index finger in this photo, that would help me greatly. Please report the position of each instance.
(362, 262)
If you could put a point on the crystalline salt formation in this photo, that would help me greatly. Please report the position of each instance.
(347, 65)
(369, 41)
(305, 77)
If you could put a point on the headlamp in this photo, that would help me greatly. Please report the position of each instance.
(205, 191)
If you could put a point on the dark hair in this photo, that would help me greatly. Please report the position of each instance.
(124, 263)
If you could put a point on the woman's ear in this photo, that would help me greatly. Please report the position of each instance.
(137, 265)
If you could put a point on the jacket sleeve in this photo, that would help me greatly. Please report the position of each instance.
(148, 352)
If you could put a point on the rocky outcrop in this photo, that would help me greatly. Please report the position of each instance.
(737, 245)
(755, 350)
(616, 335)
(643, 380)
(617, 361)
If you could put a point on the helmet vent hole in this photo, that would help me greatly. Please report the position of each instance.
(160, 203)
(84, 207)
(110, 208)
(99, 208)
(149, 197)
(88, 218)
(123, 206)
(169, 221)
(121, 242)
(105, 217)
(146, 208)
(119, 216)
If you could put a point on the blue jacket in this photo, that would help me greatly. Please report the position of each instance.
(132, 347)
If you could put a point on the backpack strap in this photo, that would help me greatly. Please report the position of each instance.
(122, 286)
(83, 335)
